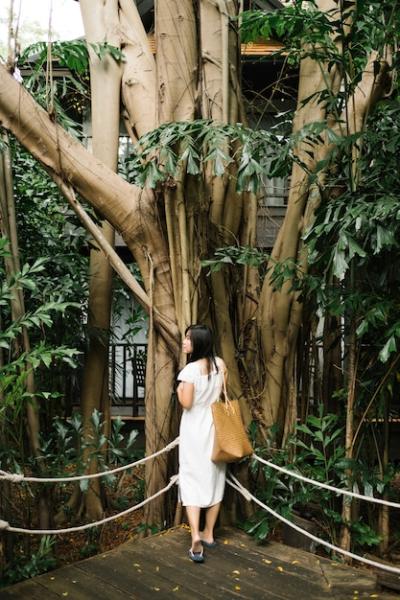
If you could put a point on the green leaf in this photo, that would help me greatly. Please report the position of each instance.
(340, 264)
(354, 248)
(387, 349)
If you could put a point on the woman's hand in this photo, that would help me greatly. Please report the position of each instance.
(185, 391)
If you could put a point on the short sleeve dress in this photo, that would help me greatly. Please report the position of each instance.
(201, 481)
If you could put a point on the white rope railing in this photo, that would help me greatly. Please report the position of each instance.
(18, 478)
(326, 486)
(234, 483)
(5, 526)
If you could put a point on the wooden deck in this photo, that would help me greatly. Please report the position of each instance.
(159, 567)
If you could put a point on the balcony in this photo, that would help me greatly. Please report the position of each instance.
(127, 380)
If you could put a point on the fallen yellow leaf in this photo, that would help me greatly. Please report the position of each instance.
(295, 562)
(157, 568)
(52, 578)
(280, 569)
(226, 542)
(374, 596)
(237, 588)
(136, 565)
(65, 593)
(176, 588)
(156, 589)
(236, 572)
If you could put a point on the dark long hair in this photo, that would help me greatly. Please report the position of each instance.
(202, 345)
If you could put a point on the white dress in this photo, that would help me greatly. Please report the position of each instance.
(201, 481)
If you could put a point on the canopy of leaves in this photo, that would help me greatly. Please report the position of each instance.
(256, 154)
(57, 74)
(55, 247)
(360, 229)
(306, 31)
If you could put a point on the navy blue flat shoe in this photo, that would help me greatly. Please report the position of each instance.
(209, 544)
(196, 557)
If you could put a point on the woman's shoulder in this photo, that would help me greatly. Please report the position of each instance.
(189, 372)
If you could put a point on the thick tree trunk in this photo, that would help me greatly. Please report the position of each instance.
(168, 244)
(139, 73)
(220, 97)
(278, 330)
(280, 311)
(101, 22)
(176, 79)
(176, 83)
(129, 209)
(177, 60)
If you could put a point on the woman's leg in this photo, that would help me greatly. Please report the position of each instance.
(193, 513)
(211, 518)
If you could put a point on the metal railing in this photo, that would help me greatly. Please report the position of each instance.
(127, 378)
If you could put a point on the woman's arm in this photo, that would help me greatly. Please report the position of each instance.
(185, 391)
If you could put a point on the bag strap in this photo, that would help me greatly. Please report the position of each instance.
(224, 375)
(228, 403)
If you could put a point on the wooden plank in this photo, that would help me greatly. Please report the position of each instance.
(133, 574)
(339, 577)
(280, 581)
(242, 547)
(250, 582)
(291, 566)
(237, 569)
(27, 589)
(174, 545)
(227, 584)
(72, 582)
(389, 580)
(194, 578)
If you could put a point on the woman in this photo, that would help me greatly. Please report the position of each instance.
(201, 482)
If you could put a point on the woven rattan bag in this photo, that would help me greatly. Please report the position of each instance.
(230, 442)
